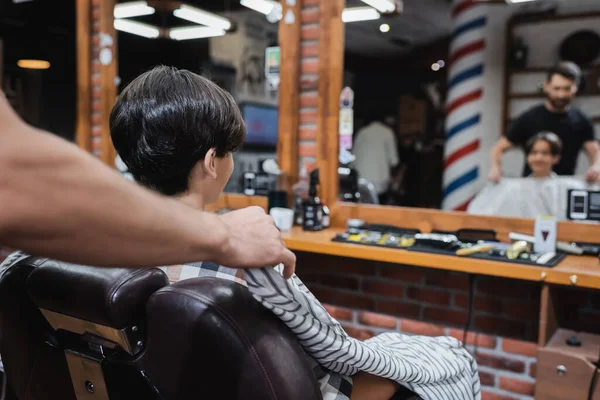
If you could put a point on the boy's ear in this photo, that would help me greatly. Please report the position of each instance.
(210, 166)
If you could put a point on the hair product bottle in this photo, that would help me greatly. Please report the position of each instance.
(312, 207)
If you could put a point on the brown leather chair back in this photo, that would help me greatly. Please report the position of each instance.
(75, 332)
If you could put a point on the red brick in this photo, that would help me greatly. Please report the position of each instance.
(487, 379)
(311, 15)
(380, 320)
(339, 313)
(307, 133)
(421, 328)
(310, 66)
(533, 369)
(96, 118)
(426, 295)
(445, 316)
(474, 338)
(447, 280)
(517, 386)
(96, 131)
(96, 90)
(337, 297)
(519, 347)
(309, 100)
(96, 14)
(358, 333)
(343, 282)
(499, 362)
(494, 396)
(351, 266)
(402, 273)
(308, 117)
(309, 84)
(310, 49)
(408, 310)
(500, 326)
(310, 32)
(96, 105)
(522, 310)
(509, 288)
(483, 304)
(383, 288)
(307, 149)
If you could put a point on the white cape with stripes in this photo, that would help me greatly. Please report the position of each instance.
(435, 368)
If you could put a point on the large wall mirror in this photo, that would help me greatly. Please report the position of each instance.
(437, 84)
(227, 42)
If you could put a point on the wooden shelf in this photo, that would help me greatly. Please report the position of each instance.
(586, 268)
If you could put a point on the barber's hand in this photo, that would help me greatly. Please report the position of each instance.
(255, 242)
(495, 175)
(592, 174)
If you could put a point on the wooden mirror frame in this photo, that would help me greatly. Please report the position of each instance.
(97, 91)
(331, 69)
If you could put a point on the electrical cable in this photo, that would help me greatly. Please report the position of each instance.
(470, 312)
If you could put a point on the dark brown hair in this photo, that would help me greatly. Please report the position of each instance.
(567, 69)
(166, 120)
(551, 138)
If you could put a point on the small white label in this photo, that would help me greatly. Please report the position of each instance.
(105, 56)
(545, 235)
(290, 18)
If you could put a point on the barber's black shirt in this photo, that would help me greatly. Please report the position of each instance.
(572, 127)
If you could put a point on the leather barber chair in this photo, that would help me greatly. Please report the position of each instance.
(73, 332)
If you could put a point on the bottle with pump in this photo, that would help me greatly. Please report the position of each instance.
(312, 208)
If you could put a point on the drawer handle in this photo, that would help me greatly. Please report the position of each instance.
(561, 370)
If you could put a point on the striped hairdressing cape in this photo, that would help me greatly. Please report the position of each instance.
(434, 368)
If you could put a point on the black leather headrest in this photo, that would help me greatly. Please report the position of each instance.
(114, 297)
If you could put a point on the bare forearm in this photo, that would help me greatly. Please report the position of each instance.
(59, 202)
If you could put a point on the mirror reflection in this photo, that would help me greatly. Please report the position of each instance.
(38, 63)
(491, 109)
(189, 36)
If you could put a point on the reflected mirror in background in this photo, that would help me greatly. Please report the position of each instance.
(235, 60)
(433, 95)
(38, 63)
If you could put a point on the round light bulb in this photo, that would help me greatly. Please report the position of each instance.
(385, 28)
(441, 63)
(435, 66)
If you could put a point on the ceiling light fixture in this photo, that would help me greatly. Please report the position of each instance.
(202, 17)
(262, 6)
(132, 9)
(33, 64)
(137, 28)
(435, 67)
(356, 14)
(385, 28)
(383, 6)
(194, 32)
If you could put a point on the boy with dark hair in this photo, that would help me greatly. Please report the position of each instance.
(556, 114)
(543, 152)
(176, 132)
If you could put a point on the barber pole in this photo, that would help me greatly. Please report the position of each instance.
(462, 151)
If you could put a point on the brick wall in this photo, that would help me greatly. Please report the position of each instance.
(372, 297)
(96, 91)
(308, 84)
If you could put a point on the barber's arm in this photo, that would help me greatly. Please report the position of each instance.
(498, 150)
(60, 202)
(517, 133)
(592, 150)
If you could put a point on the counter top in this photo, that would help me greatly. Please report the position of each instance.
(584, 270)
